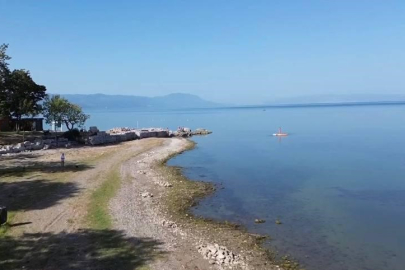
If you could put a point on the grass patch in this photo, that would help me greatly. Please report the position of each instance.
(98, 213)
(98, 216)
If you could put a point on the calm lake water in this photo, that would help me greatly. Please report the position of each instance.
(337, 183)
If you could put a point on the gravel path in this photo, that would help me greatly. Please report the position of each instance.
(136, 212)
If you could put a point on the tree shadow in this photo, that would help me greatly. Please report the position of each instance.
(34, 194)
(85, 249)
(27, 167)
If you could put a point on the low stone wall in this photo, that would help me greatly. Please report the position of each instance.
(102, 137)
(38, 144)
(149, 133)
(126, 134)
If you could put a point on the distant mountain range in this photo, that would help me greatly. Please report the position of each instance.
(188, 101)
(126, 102)
(338, 99)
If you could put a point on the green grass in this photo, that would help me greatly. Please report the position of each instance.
(5, 227)
(98, 214)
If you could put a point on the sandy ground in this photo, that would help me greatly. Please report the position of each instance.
(136, 216)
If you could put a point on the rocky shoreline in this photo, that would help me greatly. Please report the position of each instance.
(164, 198)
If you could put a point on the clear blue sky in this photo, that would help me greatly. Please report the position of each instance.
(228, 51)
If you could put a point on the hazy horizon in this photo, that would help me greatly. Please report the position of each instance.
(190, 99)
(244, 52)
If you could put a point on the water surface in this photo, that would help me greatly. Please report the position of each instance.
(336, 183)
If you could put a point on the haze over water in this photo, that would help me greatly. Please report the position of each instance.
(337, 182)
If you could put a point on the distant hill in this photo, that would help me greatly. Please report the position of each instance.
(353, 98)
(126, 102)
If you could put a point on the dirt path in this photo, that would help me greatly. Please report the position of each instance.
(68, 214)
(50, 230)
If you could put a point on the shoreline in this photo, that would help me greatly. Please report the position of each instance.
(128, 194)
(161, 209)
(248, 243)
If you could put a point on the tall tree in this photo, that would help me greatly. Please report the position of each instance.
(60, 110)
(19, 94)
(23, 95)
(4, 76)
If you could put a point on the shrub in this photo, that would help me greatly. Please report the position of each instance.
(72, 135)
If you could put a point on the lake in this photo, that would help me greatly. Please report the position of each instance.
(337, 183)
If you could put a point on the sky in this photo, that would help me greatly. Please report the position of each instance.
(241, 52)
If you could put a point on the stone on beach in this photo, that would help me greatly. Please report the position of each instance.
(164, 184)
(169, 224)
(146, 194)
(220, 255)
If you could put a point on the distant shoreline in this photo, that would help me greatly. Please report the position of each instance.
(270, 106)
(321, 104)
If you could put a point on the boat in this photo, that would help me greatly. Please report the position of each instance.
(280, 133)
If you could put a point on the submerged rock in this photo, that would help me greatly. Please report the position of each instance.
(257, 220)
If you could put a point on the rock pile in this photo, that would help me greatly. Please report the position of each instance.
(186, 132)
(102, 137)
(219, 255)
(119, 130)
(153, 132)
(201, 131)
(124, 134)
(38, 144)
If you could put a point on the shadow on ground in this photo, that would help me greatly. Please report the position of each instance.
(86, 249)
(34, 194)
(23, 168)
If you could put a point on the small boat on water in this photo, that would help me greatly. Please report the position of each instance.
(280, 133)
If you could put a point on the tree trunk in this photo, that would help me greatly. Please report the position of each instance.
(67, 125)
(17, 125)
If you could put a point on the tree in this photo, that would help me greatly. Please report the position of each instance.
(19, 94)
(23, 95)
(75, 116)
(54, 108)
(4, 70)
(4, 76)
(60, 110)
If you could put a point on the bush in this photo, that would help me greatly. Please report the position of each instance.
(72, 135)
